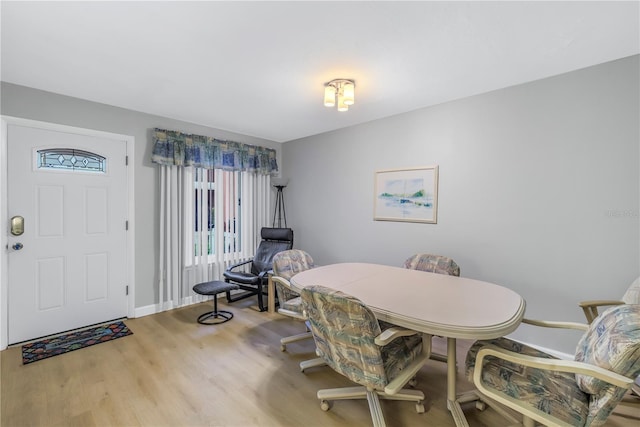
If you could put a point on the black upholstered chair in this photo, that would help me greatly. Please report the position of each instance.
(251, 276)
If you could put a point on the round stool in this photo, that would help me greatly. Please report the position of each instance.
(214, 288)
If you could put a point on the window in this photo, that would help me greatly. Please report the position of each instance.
(71, 159)
(213, 217)
(215, 211)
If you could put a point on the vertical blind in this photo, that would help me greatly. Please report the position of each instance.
(210, 217)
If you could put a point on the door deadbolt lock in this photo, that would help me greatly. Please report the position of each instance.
(17, 225)
(17, 246)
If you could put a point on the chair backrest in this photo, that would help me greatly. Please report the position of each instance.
(286, 264)
(344, 330)
(611, 342)
(274, 240)
(432, 263)
(632, 295)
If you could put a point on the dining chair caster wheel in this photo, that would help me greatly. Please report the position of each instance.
(325, 406)
(283, 347)
(480, 405)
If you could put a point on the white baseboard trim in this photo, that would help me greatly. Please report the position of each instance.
(146, 310)
(556, 353)
(158, 308)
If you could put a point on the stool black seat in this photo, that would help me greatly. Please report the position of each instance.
(214, 288)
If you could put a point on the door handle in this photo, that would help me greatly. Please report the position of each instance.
(17, 225)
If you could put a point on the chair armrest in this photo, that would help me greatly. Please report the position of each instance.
(599, 302)
(263, 273)
(556, 365)
(410, 371)
(590, 308)
(231, 267)
(284, 282)
(295, 315)
(391, 334)
(552, 324)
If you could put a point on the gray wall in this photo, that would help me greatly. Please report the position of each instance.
(539, 190)
(28, 103)
(539, 185)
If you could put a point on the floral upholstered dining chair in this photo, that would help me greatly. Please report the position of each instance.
(554, 392)
(378, 356)
(287, 264)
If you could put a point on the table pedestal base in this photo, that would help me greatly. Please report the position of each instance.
(481, 403)
(456, 410)
(453, 399)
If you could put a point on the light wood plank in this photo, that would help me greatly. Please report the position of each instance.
(176, 372)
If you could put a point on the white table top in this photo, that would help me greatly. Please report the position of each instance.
(449, 306)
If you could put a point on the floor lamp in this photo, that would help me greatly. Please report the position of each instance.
(279, 185)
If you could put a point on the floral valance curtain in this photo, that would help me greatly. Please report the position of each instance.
(180, 149)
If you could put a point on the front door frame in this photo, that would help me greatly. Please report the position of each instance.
(4, 215)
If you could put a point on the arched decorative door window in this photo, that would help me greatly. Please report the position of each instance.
(71, 159)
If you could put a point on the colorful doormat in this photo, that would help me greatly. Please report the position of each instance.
(54, 346)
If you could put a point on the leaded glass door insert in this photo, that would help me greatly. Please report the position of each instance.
(71, 159)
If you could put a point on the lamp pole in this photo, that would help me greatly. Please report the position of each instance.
(279, 207)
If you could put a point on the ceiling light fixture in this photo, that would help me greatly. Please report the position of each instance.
(342, 89)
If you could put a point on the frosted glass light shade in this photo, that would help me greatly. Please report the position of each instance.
(349, 93)
(329, 96)
(341, 105)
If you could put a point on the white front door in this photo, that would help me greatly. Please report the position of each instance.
(68, 267)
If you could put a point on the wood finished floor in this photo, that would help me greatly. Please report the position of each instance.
(175, 372)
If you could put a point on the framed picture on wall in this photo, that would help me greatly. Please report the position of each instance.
(409, 195)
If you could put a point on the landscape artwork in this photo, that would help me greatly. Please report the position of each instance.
(406, 195)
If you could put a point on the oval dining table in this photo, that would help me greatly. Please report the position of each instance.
(434, 304)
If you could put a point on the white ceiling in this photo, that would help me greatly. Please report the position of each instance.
(258, 68)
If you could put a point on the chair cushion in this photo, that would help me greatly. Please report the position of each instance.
(293, 304)
(556, 394)
(612, 342)
(214, 287)
(285, 294)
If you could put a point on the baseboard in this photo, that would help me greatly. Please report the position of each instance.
(159, 308)
(147, 310)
